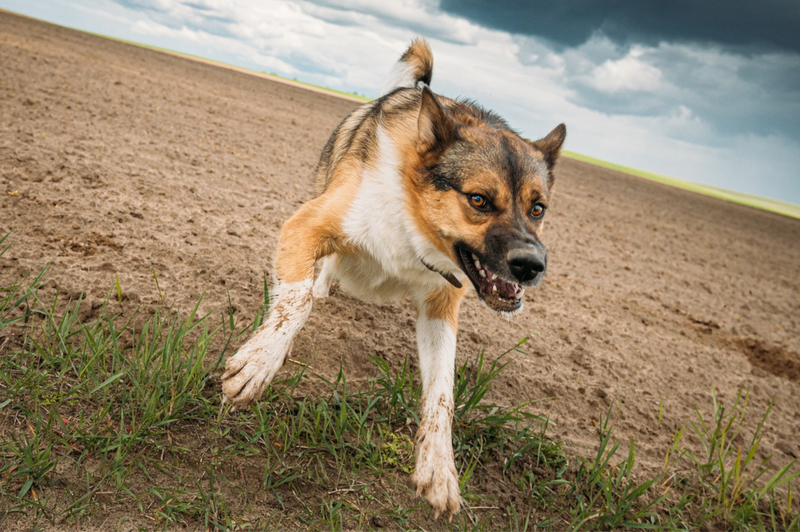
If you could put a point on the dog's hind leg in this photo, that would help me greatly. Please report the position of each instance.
(435, 474)
(309, 235)
(322, 286)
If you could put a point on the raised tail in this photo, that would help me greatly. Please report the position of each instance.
(414, 66)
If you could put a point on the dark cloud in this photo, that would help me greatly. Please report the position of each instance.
(731, 91)
(739, 23)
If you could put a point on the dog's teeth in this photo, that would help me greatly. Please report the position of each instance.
(477, 263)
(519, 294)
(482, 272)
(494, 276)
(494, 288)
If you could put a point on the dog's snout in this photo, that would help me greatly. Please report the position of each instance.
(525, 264)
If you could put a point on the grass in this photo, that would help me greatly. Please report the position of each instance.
(115, 422)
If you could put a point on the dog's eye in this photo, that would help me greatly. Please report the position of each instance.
(537, 211)
(479, 202)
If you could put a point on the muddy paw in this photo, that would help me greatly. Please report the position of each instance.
(436, 479)
(321, 290)
(247, 375)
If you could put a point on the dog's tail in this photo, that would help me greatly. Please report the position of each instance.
(414, 66)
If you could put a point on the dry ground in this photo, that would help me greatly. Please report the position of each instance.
(117, 160)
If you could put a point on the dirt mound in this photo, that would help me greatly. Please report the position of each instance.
(118, 163)
(772, 359)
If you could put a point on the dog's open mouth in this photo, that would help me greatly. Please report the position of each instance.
(499, 295)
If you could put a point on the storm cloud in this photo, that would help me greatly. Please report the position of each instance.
(570, 23)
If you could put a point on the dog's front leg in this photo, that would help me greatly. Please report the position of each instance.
(305, 237)
(435, 474)
(252, 368)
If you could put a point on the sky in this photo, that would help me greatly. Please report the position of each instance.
(707, 91)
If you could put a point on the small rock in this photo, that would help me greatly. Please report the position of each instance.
(578, 354)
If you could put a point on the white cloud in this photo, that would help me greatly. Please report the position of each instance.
(630, 73)
(421, 16)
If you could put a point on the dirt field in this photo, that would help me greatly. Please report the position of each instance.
(116, 161)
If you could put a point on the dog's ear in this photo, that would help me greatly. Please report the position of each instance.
(436, 127)
(550, 145)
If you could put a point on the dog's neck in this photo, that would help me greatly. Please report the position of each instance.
(449, 277)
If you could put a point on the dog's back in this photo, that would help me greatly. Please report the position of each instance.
(356, 134)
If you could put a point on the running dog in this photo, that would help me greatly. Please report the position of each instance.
(417, 194)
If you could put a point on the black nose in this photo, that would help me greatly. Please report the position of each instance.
(525, 264)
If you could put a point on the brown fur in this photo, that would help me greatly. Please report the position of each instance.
(313, 232)
(419, 55)
(443, 304)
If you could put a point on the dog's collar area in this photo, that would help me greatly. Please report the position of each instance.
(449, 277)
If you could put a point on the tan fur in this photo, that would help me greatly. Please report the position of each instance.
(443, 304)
(313, 232)
(419, 55)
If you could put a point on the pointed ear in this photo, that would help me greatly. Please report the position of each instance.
(550, 145)
(436, 127)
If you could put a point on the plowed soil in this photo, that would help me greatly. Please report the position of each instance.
(117, 161)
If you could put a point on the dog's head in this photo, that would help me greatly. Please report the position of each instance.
(482, 194)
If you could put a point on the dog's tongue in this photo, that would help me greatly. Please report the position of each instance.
(507, 290)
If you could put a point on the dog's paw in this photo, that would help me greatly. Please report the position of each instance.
(247, 375)
(436, 479)
(321, 289)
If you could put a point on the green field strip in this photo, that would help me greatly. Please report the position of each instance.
(767, 204)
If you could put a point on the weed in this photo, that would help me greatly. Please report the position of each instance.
(728, 469)
(32, 458)
(610, 497)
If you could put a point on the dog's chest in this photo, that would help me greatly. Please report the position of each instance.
(376, 224)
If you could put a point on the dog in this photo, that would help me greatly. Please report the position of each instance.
(418, 196)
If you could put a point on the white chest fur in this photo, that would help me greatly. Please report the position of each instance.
(377, 223)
